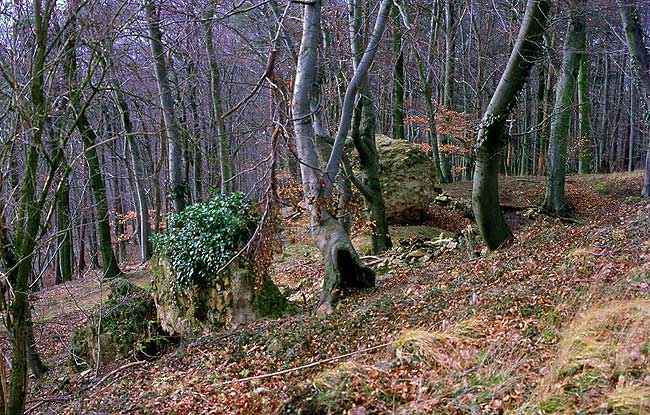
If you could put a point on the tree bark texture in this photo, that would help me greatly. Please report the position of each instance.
(491, 136)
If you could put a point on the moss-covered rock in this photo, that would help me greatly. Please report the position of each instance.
(125, 325)
(408, 180)
(232, 299)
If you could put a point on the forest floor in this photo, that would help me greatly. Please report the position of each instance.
(555, 322)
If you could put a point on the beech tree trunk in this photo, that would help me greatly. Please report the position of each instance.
(343, 268)
(174, 139)
(584, 161)
(363, 137)
(491, 136)
(142, 204)
(90, 140)
(641, 61)
(398, 77)
(223, 143)
(574, 46)
(448, 93)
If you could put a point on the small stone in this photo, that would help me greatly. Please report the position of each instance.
(418, 253)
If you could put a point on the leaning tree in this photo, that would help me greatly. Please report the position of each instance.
(491, 135)
(343, 268)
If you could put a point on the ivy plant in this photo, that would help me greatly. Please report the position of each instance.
(201, 239)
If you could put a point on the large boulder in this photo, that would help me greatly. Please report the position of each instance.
(408, 180)
(230, 300)
(203, 280)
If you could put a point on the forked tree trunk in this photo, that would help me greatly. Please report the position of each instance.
(574, 46)
(343, 268)
(491, 135)
(641, 60)
(363, 137)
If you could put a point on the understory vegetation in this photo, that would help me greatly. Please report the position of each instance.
(556, 323)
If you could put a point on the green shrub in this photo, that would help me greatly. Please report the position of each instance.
(201, 239)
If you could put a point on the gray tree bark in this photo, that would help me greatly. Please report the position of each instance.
(217, 108)
(174, 139)
(491, 135)
(574, 46)
(343, 268)
(641, 59)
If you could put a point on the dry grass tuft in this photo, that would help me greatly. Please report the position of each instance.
(603, 361)
(436, 349)
(632, 400)
(333, 378)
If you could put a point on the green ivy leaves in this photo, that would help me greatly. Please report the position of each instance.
(202, 238)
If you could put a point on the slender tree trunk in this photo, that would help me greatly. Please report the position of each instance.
(65, 256)
(217, 108)
(448, 94)
(363, 137)
(584, 161)
(197, 149)
(174, 139)
(81, 264)
(641, 61)
(90, 140)
(142, 204)
(427, 88)
(574, 46)
(28, 217)
(398, 77)
(632, 134)
(491, 136)
(524, 167)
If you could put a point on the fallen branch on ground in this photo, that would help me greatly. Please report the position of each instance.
(295, 369)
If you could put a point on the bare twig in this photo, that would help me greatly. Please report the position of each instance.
(295, 369)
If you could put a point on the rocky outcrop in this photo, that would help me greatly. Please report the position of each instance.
(232, 300)
(408, 180)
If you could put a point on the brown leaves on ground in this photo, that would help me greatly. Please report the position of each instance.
(465, 337)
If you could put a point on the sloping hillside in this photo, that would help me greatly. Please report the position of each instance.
(441, 333)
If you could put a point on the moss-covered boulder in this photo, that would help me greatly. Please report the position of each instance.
(204, 278)
(408, 180)
(231, 299)
(123, 326)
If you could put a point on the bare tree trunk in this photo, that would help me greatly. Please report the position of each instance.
(363, 137)
(641, 60)
(217, 108)
(398, 77)
(197, 149)
(142, 205)
(343, 268)
(174, 139)
(632, 134)
(491, 135)
(81, 264)
(448, 95)
(584, 161)
(574, 46)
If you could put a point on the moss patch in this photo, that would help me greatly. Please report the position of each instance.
(125, 325)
